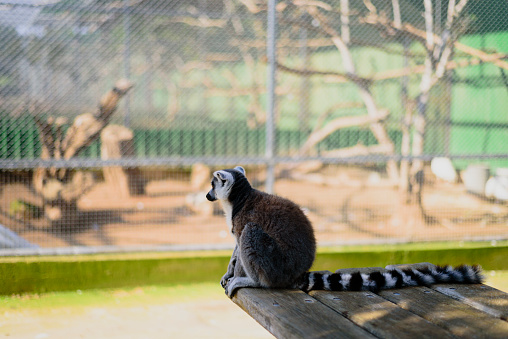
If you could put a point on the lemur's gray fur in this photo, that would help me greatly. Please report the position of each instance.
(275, 243)
(275, 246)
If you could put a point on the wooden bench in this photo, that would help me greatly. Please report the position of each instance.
(441, 311)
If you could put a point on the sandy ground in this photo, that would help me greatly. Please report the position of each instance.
(128, 314)
(345, 205)
(210, 319)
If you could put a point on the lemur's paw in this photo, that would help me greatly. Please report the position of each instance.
(230, 290)
(225, 280)
(231, 287)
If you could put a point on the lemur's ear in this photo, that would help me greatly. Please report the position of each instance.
(219, 175)
(240, 169)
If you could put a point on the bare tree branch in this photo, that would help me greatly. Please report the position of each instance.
(370, 6)
(341, 77)
(87, 127)
(344, 19)
(202, 21)
(342, 105)
(312, 3)
(339, 123)
(429, 24)
(253, 6)
(426, 84)
(485, 57)
(46, 136)
(397, 21)
(420, 35)
(377, 128)
(357, 150)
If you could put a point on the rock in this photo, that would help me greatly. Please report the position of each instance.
(444, 169)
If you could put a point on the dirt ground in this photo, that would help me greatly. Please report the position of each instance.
(213, 319)
(129, 314)
(347, 205)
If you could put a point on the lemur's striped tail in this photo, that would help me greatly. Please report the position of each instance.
(391, 278)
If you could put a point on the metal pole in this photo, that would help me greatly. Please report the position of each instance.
(270, 109)
(304, 113)
(127, 58)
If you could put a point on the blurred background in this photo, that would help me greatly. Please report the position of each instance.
(385, 120)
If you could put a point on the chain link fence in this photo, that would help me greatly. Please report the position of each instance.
(385, 120)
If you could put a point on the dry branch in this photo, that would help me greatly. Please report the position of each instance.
(87, 127)
(253, 6)
(358, 150)
(47, 138)
(420, 35)
(341, 105)
(485, 57)
(343, 77)
(116, 142)
(337, 77)
(59, 189)
(339, 123)
(428, 80)
(397, 21)
(377, 128)
(344, 18)
(439, 51)
(453, 64)
(201, 21)
(405, 151)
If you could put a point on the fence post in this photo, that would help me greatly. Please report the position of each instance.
(270, 109)
(127, 58)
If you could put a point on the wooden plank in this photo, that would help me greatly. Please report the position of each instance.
(363, 307)
(458, 318)
(295, 314)
(479, 296)
(379, 316)
(482, 297)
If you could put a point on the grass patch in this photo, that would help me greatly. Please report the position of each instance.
(89, 272)
(497, 279)
(124, 297)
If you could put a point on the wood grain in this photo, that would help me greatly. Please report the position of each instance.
(379, 316)
(460, 319)
(295, 314)
(479, 296)
(440, 311)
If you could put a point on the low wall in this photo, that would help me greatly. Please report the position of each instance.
(39, 274)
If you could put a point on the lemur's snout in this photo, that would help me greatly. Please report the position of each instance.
(210, 196)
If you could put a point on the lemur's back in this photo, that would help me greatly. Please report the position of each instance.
(280, 218)
(285, 223)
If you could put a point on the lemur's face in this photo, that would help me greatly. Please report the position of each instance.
(222, 183)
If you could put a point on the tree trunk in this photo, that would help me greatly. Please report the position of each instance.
(61, 188)
(117, 142)
(377, 128)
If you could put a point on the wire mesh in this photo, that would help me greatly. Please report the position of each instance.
(389, 119)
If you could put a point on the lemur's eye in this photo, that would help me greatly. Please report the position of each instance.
(223, 181)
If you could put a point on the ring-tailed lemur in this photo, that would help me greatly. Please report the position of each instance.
(275, 246)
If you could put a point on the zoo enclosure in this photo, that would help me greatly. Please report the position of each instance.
(423, 79)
